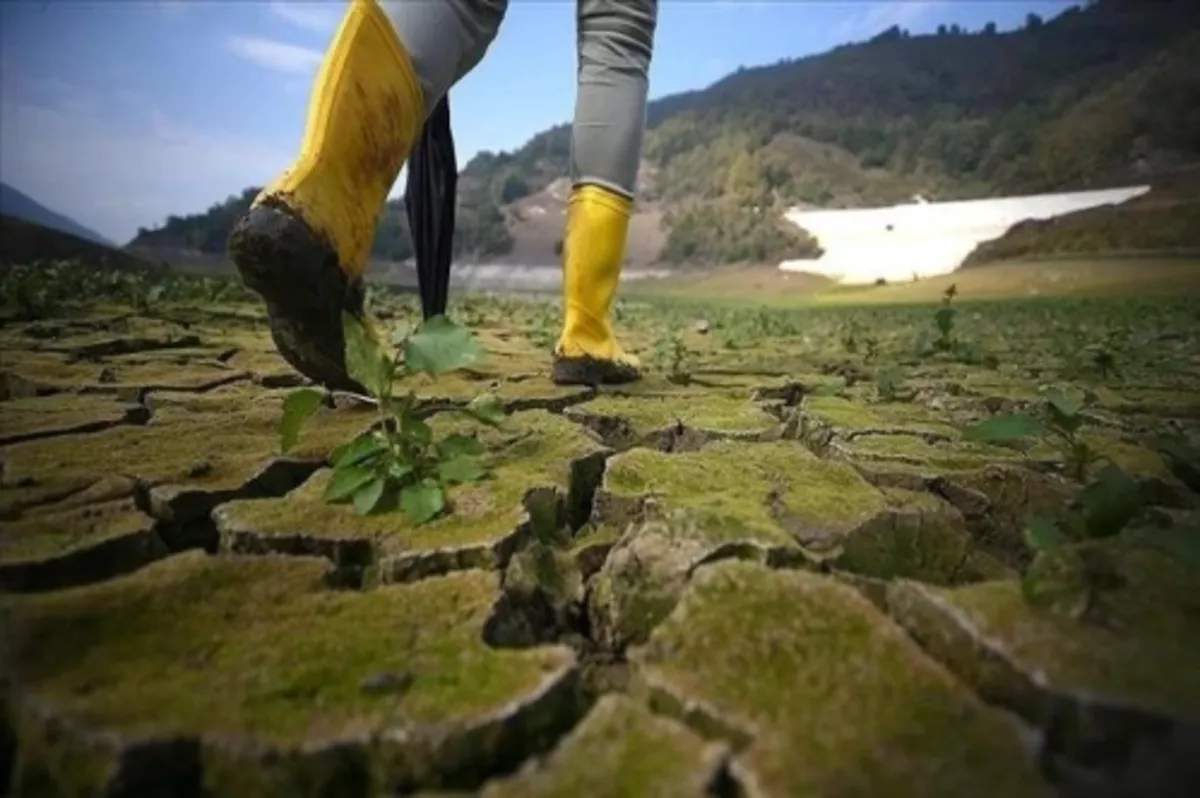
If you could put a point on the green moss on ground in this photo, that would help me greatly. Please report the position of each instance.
(931, 457)
(773, 502)
(206, 443)
(728, 489)
(258, 650)
(537, 449)
(619, 750)
(31, 418)
(713, 413)
(833, 698)
(1142, 654)
(844, 415)
(48, 535)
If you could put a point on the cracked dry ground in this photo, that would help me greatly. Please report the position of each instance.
(766, 582)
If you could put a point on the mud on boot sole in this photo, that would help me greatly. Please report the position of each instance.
(296, 272)
(592, 371)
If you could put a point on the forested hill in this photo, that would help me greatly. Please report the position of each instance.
(1101, 94)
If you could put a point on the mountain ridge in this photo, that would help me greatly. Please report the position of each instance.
(1097, 96)
(16, 204)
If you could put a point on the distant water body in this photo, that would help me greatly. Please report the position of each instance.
(925, 239)
(502, 277)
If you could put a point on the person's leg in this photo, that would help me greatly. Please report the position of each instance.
(304, 244)
(615, 41)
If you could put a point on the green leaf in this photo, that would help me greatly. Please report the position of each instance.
(1110, 502)
(945, 318)
(366, 361)
(417, 430)
(400, 331)
(345, 482)
(367, 497)
(1042, 534)
(400, 470)
(461, 469)
(487, 409)
(362, 449)
(422, 502)
(297, 408)
(441, 346)
(454, 445)
(1057, 581)
(1064, 409)
(1004, 429)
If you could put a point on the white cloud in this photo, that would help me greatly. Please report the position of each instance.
(874, 18)
(276, 55)
(315, 17)
(114, 164)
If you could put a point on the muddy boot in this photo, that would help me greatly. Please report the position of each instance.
(305, 242)
(593, 250)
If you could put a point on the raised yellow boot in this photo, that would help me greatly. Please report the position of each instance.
(593, 250)
(305, 242)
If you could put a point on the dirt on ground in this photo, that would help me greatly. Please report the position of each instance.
(778, 566)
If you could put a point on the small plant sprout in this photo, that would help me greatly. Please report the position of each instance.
(400, 462)
(850, 338)
(889, 384)
(671, 354)
(1099, 360)
(1064, 418)
(872, 345)
(1068, 571)
(944, 319)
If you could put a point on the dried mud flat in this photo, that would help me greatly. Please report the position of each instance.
(763, 579)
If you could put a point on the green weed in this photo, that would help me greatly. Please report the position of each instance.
(400, 462)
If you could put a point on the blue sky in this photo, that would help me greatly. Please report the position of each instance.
(120, 112)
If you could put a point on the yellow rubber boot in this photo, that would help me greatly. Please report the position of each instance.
(306, 240)
(593, 251)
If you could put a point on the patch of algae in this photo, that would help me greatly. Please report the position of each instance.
(831, 697)
(519, 390)
(1137, 461)
(184, 369)
(620, 750)
(922, 537)
(843, 416)
(714, 413)
(215, 443)
(61, 414)
(727, 489)
(46, 535)
(268, 669)
(537, 449)
(924, 456)
(1144, 655)
(1152, 401)
(775, 502)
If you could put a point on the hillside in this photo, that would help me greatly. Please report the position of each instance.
(18, 205)
(1164, 221)
(1097, 96)
(23, 242)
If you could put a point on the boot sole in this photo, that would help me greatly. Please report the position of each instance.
(297, 274)
(592, 372)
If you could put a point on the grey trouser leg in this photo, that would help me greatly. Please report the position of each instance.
(444, 38)
(615, 40)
